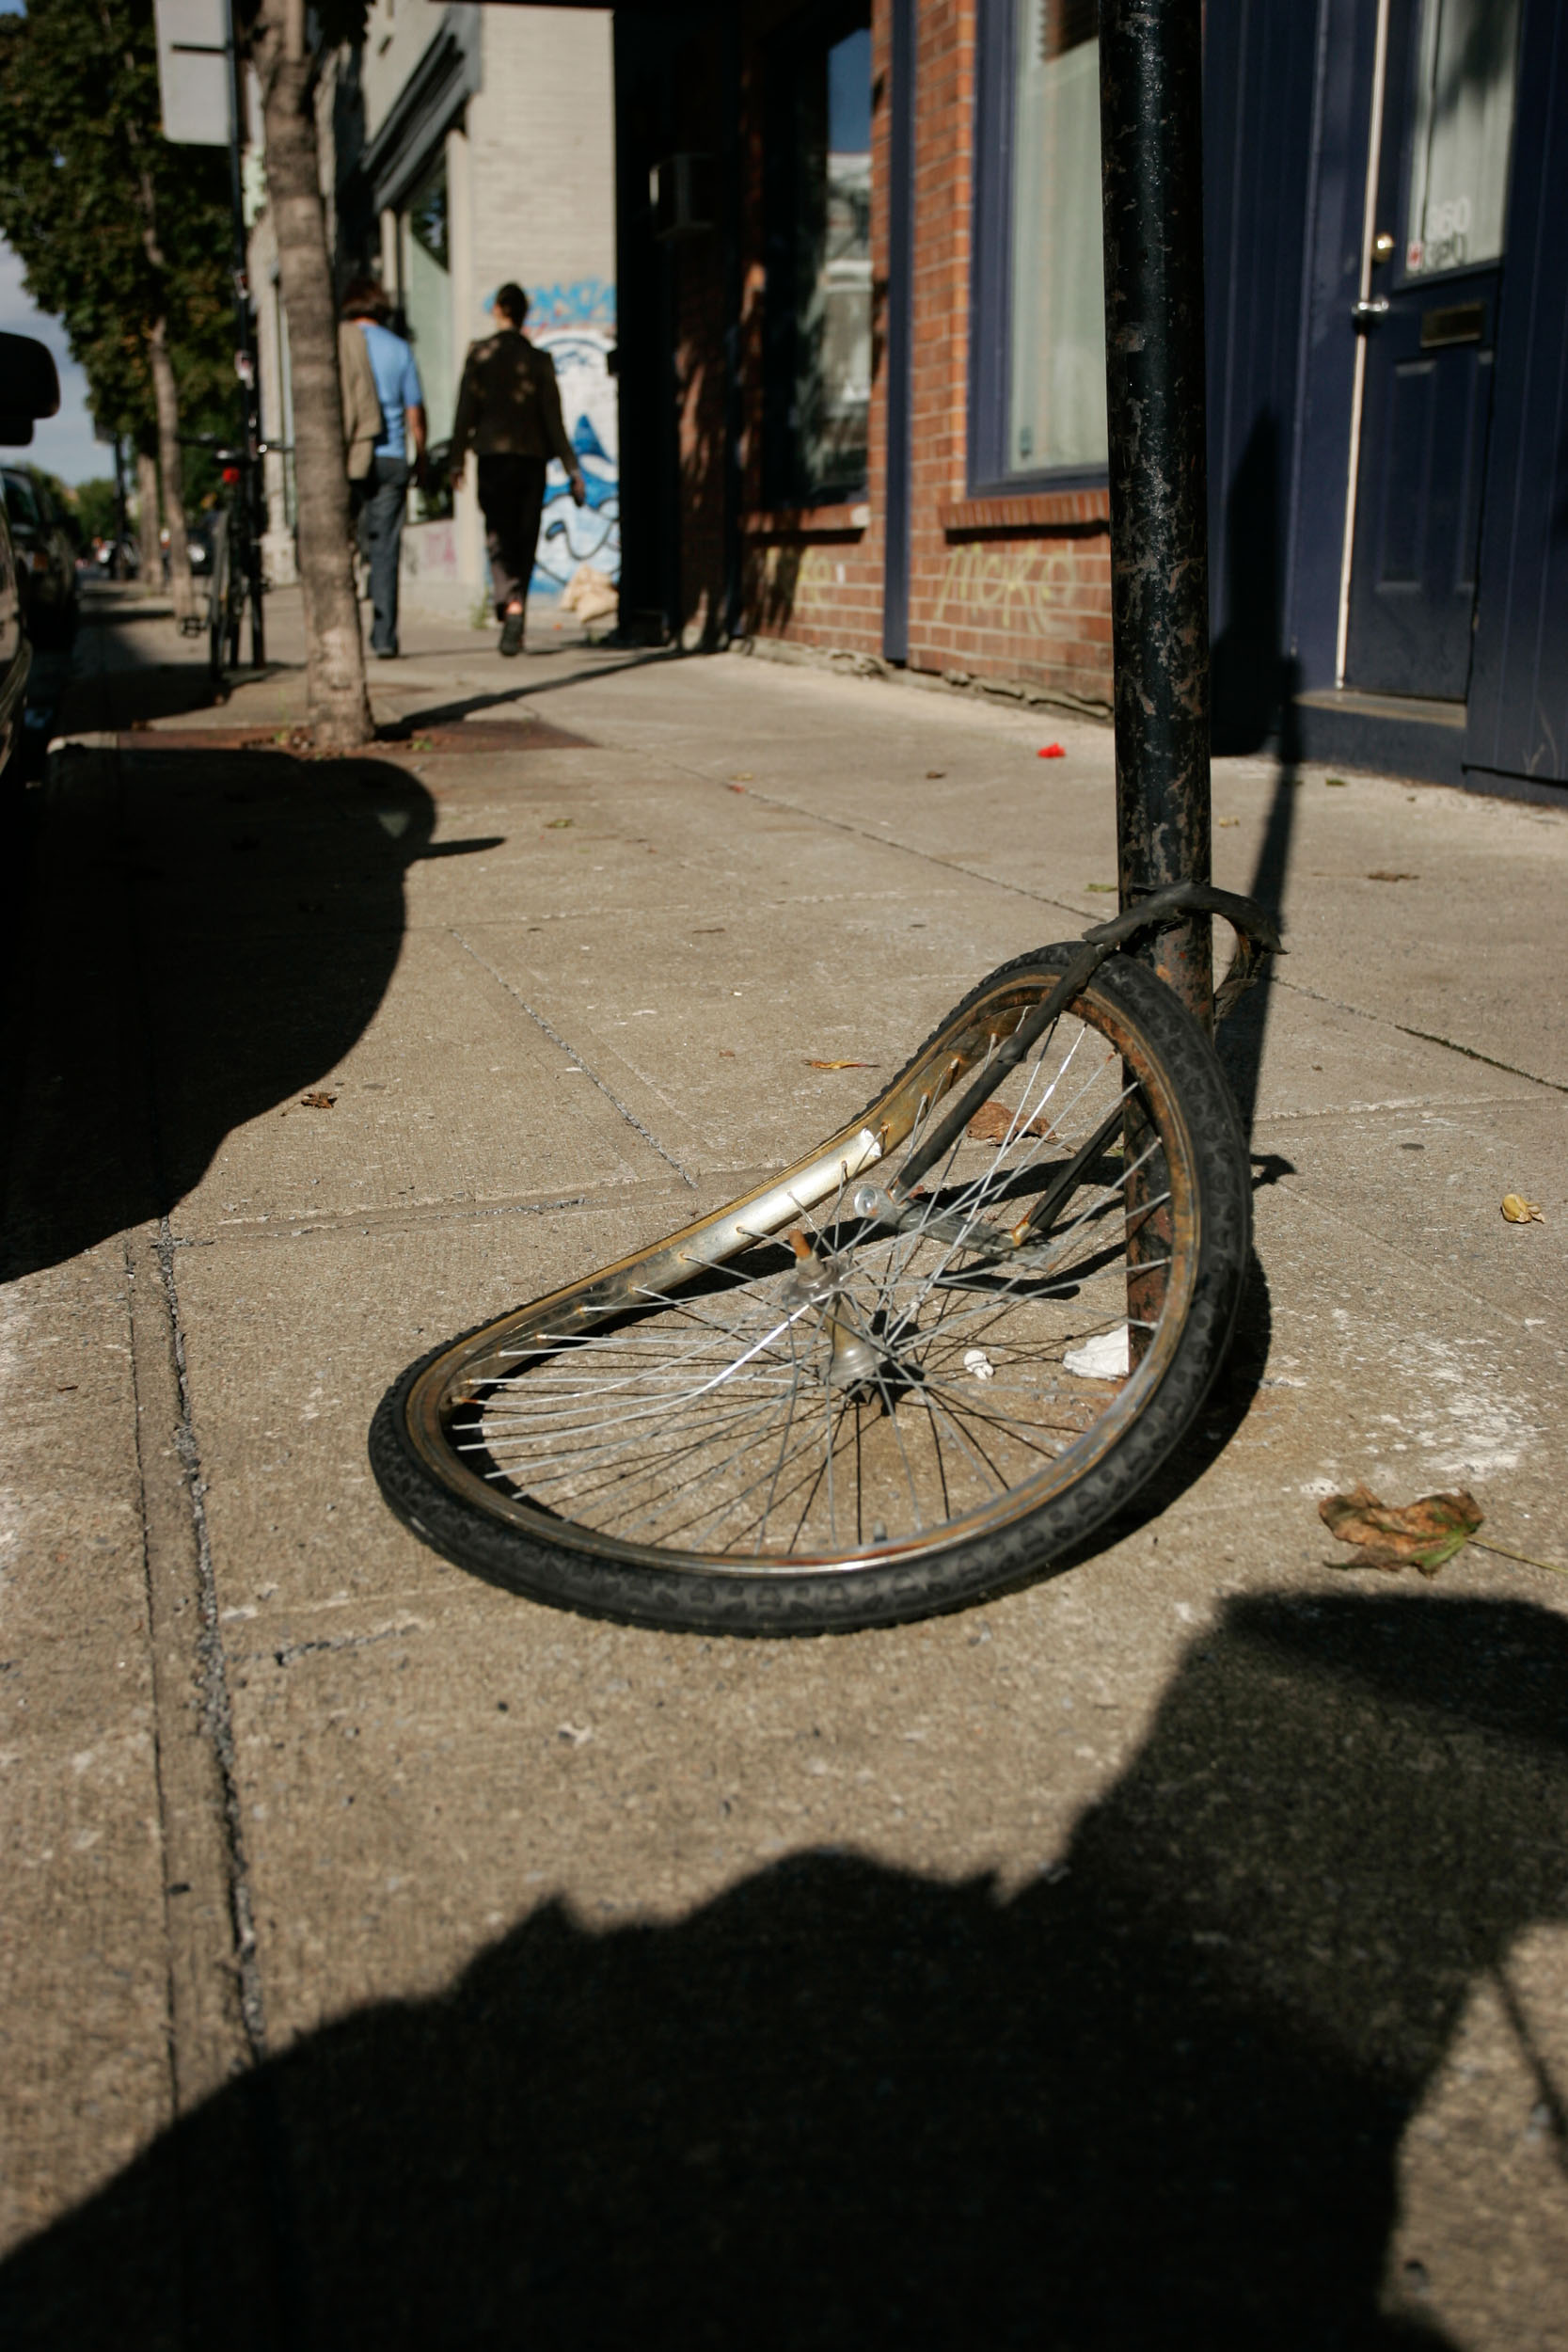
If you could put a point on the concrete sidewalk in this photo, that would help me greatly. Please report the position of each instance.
(1177, 1951)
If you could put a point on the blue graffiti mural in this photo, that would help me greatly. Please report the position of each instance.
(576, 325)
(586, 302)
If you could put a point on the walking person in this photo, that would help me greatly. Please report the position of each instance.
(398, 457)
(509, 413)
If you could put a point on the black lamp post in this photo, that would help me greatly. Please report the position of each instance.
(1151, 97)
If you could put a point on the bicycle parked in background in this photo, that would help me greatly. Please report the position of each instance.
(228, 581)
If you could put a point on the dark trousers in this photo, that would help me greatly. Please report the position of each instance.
(380, 536)
(511, 500)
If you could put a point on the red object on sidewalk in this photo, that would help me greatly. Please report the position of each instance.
(1054, 751)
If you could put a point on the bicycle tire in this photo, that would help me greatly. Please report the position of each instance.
(494, 1523)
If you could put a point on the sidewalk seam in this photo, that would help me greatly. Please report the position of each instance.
(890, 841)
(555, 1038)
(1428, 1037)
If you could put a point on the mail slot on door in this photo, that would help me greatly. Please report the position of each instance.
(1464, 323)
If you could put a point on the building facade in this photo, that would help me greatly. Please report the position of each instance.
(861, 388)
(464, 147)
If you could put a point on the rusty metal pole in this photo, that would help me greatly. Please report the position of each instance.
(1151, 161)
(1151, 147)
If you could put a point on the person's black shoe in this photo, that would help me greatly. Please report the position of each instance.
(512, 633)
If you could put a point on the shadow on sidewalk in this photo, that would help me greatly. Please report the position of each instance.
(210, 932)
(1155, 2097)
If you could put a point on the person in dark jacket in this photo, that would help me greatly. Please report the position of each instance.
(509, 413)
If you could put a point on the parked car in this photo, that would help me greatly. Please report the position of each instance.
(29, 387)
(45, 558)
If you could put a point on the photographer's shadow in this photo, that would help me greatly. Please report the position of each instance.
(1157, 2098)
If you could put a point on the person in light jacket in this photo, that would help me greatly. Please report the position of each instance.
(509, 413)
(362, 426)
(397, 456)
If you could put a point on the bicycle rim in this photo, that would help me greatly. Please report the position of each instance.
(844, 1405)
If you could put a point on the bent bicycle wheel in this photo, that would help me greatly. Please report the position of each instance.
(831, 1405)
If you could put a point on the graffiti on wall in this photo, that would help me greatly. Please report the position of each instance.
(1010, 586)
(576, 325)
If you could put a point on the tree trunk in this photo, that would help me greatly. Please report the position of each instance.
(171, 470)
(166, 392)
(340, 707)
(147, 522)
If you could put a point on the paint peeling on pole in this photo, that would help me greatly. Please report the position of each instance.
(1151, 100)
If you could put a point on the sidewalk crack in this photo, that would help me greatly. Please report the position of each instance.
(212, 1672)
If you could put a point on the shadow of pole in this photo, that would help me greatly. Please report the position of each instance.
(1255, 688)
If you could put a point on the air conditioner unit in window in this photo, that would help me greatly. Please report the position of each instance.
(683, 191)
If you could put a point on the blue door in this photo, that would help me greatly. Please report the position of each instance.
(1429, 328)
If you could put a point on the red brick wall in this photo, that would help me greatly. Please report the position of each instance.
(1010, 588)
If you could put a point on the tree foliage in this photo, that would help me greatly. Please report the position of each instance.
(97, 508)
(82, 160)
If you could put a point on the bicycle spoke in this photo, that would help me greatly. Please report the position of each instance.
(854, 1377)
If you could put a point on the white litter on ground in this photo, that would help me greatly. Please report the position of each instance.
(1106, 1357)
(979, 1363)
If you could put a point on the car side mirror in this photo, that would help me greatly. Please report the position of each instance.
(29, 387)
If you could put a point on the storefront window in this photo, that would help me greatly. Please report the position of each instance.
(1464, 127)
(819, 265)
(425, 262)
(1056, 404)
(1037, 339)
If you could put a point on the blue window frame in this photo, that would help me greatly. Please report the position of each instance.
(817, 202)
(1036, 323)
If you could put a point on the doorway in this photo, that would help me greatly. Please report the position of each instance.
(1430, 327)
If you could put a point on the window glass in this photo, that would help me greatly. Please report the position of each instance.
(1463, 122)
(821, 248)
(21, 501)
(1056, 392)
(427, 297)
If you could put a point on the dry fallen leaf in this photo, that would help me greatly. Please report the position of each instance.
(1422, 1535)
(317, 1101)
(1106, 889)
(1384, 873)
(993, 1123)
(935, 775)
(1225, 821)
(743, 776)
(841, 1065)
(1522, 1212)
(556, 824)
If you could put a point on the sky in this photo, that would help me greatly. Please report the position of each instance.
(62, 445)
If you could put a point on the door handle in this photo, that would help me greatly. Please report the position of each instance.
(1365, 314)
